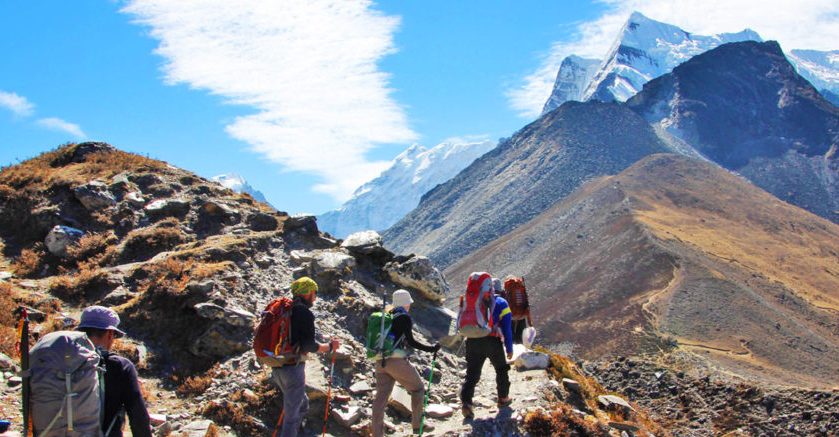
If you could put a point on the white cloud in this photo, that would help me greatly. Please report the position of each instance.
(309, 68)
(19, 105)
(60, 125)
(803, 24)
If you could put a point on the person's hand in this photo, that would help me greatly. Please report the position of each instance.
(437, 347)
(509, 356)
(335, 344)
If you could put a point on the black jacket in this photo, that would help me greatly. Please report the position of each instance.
(402, 327)
(303, 327)
(122, 393)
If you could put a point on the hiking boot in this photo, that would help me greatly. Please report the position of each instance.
(467, 412)
(503, 402)
(425, 428)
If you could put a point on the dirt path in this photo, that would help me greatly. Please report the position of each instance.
(526, 389)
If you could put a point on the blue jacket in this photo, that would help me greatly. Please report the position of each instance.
(502, 320)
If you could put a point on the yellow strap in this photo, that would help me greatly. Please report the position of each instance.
(504, 312)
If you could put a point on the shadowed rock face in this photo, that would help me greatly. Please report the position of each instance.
(679, 251)
(743, 106)
(522, 177)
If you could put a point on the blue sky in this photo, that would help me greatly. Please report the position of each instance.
(307, 100)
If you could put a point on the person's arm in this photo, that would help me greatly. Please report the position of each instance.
(135, 407)
(403, 327)
(505, 319)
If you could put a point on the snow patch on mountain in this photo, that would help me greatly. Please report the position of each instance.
(574, 75)
(820, 68)
(383, 201)
(238, 184)
(646, 49)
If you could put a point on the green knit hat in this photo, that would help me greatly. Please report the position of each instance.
(303, 286)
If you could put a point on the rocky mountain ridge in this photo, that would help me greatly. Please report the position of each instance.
(785, 142)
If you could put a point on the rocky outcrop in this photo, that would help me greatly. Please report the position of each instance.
(418, 273)
(95, 195)
(60, 238)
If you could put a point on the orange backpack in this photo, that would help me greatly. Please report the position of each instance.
(517, 297)
(272, 339)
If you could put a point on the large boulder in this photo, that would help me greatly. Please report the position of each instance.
(532, 360)
(418, 273)
(167, 208)
(307, 223)
(95, 195)
(366, 243)
(231, 316)
(262, 222)
(60, 238)
(89, 147)
(222, 340)
(328, 267)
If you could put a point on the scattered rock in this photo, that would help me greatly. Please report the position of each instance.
(5, 275)
(221, 340)
(119, 296)
(400, 400)
(316, 382)
(7, 363)
(262, 222)
(367, 243)
(360, 387)
(135, 199)
(439, 411)
(14, 381)
(60, 238)
(226, 213)
(348, 417)
(231, 316)
(612, 401)
(95, 196)
(532, 360)
(624, 426)
(157, 419)
(167, 208)
(571, 385)
(200, 428)
(308, 223)
(419, 273)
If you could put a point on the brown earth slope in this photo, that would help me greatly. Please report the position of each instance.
(675, 252)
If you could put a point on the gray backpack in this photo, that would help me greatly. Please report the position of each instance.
(64, 380)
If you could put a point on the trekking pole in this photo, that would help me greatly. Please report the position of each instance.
(279, 423)
(329, 393)
(427, 392)
(23, 348)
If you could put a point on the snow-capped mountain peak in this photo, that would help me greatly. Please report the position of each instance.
(646, 49)
(237, 183)
(380, 203)
(574, 75)
(820, 68)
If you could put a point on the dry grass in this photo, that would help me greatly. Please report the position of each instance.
(8, 321)
(92, 245)
(563, 421)
(197, 384)
(142, 244)
(79, 286)
(30, 262)
(54, 168)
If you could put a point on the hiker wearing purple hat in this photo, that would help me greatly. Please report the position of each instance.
(122, 388)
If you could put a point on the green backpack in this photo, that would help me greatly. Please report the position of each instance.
(374, 344)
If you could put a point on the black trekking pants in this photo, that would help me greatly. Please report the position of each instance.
(518, 330)
(477, 352)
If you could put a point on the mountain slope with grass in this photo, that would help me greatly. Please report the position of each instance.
(677, 254)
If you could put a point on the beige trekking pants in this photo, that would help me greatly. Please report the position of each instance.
(396, 370)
